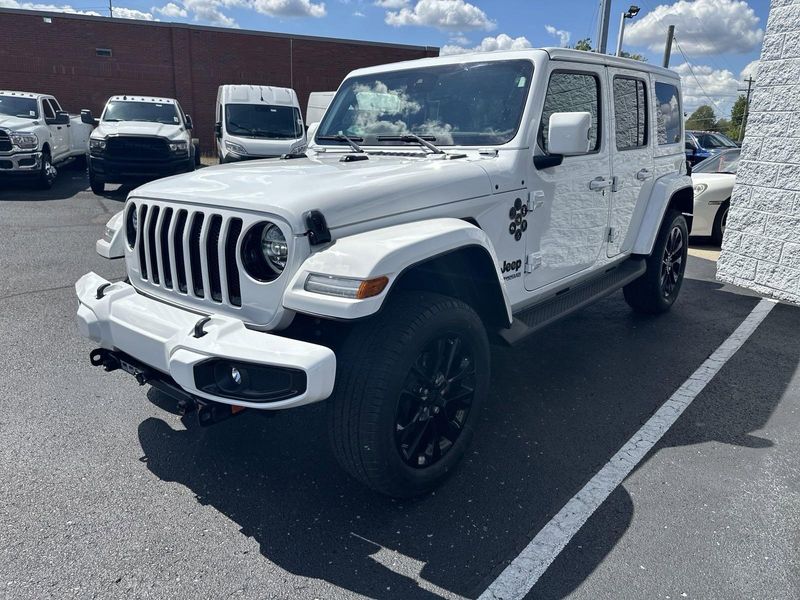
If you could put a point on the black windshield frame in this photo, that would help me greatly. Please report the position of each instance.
(25, 103)
(239, 115)
(489, 97)
(165, 113)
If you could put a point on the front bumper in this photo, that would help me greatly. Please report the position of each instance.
(23, 163)
(123, 171)
(163, 337)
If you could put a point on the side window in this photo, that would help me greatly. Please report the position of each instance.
(669, 117)
(56, 105)
(572, 92)
(630, 113)
(49, 112)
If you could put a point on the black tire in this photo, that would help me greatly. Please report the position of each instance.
(720, 222)
(196, 155)
(656, 290)
(98, 187)
(47, 172)
(383, 357)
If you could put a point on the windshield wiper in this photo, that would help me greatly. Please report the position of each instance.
(413, 138)
(340, 137)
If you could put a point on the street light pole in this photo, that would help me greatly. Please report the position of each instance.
(602, 26)
(632, 12)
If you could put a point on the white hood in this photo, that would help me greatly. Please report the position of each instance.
(18, 124)
(345, 192)
(139, 128)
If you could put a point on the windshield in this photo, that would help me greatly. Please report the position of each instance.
(149, 112)
(262, 120)
(713, 140)
(14, 106)
(472, 104)
(724, 162)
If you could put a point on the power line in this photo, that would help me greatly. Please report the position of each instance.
(691, 70)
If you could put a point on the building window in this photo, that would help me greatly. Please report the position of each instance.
(103, 52)
(669, 117)
(572, 92)
(630, 113)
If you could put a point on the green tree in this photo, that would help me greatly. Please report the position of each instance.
(736, 130)
(702, 119)
(586, 45)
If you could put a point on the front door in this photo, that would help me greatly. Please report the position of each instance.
(570, 202)
(631, 154)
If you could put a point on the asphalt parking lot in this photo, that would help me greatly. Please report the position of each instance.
(107, 493)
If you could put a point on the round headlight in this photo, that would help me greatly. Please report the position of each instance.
(274, 247)
(131, 225)
(264, 251)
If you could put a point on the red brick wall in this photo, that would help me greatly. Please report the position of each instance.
(187, 63)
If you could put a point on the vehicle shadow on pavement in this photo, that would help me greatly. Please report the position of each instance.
(561, 405)
(70, 181)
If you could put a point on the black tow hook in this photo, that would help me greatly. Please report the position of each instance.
(215, 412)
(100, 357)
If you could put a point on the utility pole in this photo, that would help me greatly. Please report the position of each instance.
(602, 27)
(749, 81)
(110, 9)
(668, 47)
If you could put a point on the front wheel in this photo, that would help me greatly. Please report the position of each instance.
(47, 172)
(720, 223)
(98, 187)
(409, 386)
(656, 290)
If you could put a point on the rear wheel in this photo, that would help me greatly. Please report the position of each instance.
(720, 223)
(409, 387)
(47, 172)
(656, 290)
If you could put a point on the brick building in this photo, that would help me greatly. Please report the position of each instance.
(761, 248)
(83, 60)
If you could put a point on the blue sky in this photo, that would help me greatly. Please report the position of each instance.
(720, 38)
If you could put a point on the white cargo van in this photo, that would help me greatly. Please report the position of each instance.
(317, 105)
(257, 121)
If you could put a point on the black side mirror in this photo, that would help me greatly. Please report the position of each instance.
(87, 118)
(218, 129)
(188, 122)
(61, 118)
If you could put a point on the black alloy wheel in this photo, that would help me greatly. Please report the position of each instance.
(435, 401)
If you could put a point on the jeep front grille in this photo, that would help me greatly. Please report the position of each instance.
(189, 251)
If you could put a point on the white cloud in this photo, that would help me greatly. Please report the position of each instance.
(358, 13)
(209, 11)
(751, 70)
(490, 44)
(290, 8)
(391, 4)
(171, 10)
(454, 15)
(701, 27)
(717, 88)
(65, 8)
(563, 36)
(131, 13)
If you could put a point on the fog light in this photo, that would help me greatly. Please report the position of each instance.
(236, 375)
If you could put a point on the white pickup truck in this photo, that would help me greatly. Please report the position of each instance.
(138, 139)
(443, 203)
(36, 136)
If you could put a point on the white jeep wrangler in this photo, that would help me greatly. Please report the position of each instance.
(443, 203)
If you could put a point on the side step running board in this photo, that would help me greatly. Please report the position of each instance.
(570, 299)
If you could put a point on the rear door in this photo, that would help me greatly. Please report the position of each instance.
(570, 202)
(631, 153)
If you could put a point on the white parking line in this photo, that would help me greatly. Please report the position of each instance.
(521, 575)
